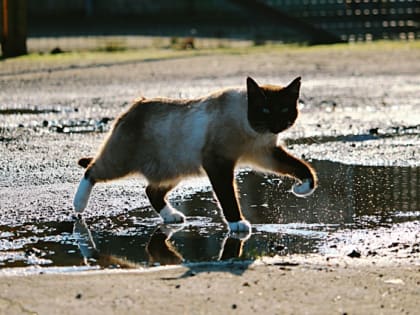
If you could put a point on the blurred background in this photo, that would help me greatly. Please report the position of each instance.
(41, 26)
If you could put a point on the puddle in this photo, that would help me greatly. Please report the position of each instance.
(78, 126)
(29, 111)
(357, 198)
(371, 134)
(71, 126)
(67, 126)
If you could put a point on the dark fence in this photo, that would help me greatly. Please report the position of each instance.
(358, 19)
(330, 20)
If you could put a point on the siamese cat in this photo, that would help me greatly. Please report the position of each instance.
(167, 140)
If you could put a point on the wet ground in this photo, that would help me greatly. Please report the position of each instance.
(359, 127)
(351, 199)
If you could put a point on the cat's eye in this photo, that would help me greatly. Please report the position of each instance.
(284, 110)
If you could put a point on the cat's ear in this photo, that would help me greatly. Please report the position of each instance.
(294, 86)
(256, 96)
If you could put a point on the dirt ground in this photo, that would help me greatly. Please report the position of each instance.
(361, 91)
(298, 285)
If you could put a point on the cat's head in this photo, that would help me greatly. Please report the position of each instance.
(272, 108)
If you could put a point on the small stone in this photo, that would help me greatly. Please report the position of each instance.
(372, 253)
(234, 306)
(394, 281)
(279, 247)
(354, 254)
(104, 120)
(192, 273)
(56, 50)
(78, 296)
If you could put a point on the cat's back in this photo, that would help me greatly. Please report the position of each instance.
(143, 110)
(167, 137)
(185, 115)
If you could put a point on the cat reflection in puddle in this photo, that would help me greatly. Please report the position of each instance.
(159, 249)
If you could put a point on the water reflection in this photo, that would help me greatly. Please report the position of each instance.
(360, 196)
(159, 248)
(355, 197)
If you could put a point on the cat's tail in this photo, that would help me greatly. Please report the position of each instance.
(85, 161)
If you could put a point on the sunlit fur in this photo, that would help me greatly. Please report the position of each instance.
(167, 140)
(168, 145)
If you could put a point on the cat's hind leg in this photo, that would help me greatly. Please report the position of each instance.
(157, 196)
(99, 169)
(82, 194)
(84, 189)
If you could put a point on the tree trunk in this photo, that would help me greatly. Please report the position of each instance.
(14, 28)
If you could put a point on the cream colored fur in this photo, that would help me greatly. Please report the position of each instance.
(177, 137)
(167, 140)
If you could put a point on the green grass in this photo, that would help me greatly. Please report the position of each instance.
(115, 56)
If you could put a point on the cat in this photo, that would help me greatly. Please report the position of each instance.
(167, 140)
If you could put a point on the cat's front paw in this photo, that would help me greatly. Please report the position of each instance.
(240, 226)
(303, 189)
(171, 215)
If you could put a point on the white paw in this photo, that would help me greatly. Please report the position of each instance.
(84, 239)
(240, 226)
(82, 195)
(171, 215)
(303, 189)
